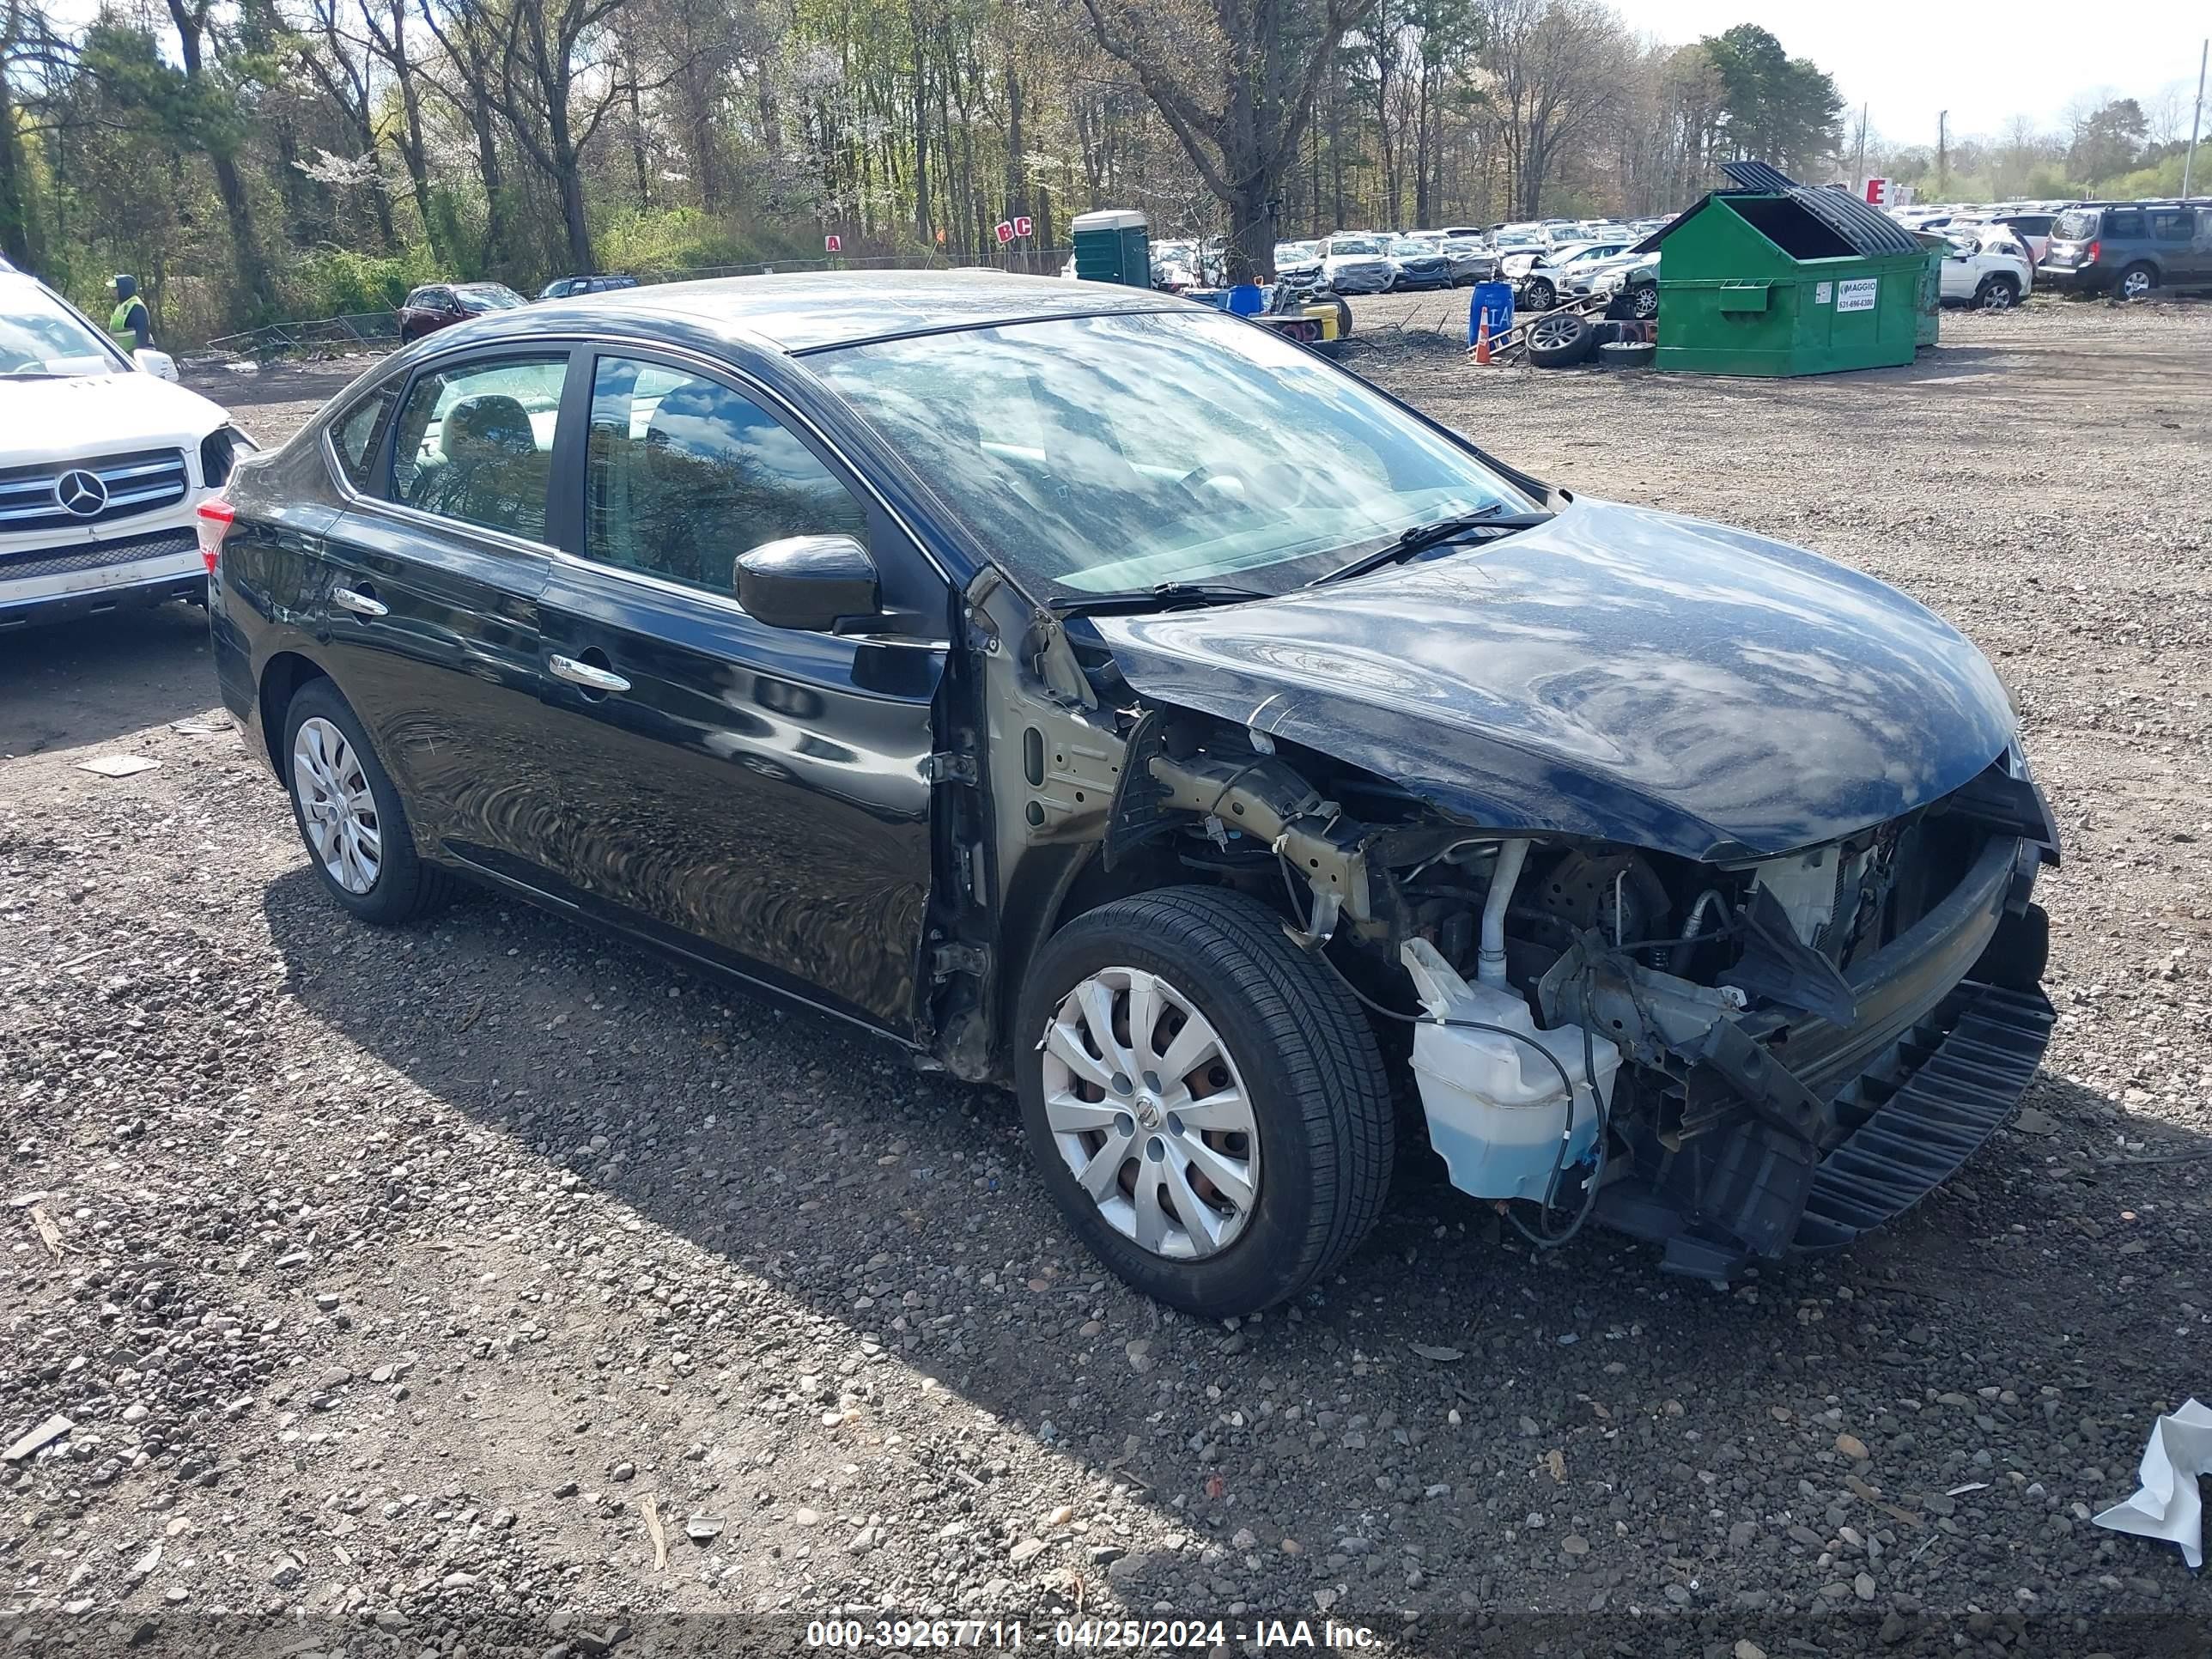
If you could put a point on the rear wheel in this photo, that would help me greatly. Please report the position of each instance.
(1997, 293)
(1204, 1099)
(349, 814)
(2136, 282)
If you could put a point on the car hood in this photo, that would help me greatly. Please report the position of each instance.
(89, 414)
(1616, 673)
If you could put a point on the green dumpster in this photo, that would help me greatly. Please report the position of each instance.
(1774, 278)
(1112, 246)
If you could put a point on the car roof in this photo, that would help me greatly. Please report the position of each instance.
(811, 310)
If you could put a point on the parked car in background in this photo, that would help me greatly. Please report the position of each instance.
(440, 305)
(103, 460)
(1986, 266)
(1358, 264)
(2033, 229)
(1420, 262)
(1582, 276)
(1630, 288)
(2131, 249)
(1471, 262)
(1298, 265)
(1296, 708)
(568, 287)
(1544, 280)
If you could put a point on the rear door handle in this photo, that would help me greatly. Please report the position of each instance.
(584, 674)
(362, 604)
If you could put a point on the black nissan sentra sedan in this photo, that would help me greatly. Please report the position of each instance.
(1101, 695)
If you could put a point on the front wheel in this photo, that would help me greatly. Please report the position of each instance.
(1541, 294)
(1204, 1099)
(1643, 302)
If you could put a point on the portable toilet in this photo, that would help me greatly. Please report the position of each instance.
(1773, 277)
(1112, 246)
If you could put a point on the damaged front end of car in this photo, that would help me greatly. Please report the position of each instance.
(1734, 1059)
(1737, 1043)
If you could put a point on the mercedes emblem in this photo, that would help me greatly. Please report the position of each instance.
(80, 492)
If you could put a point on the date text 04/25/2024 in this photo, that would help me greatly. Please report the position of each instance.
(1088, 1635)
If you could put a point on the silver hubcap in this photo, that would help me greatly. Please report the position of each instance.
(1996, 297)
(336, 805)
(1148, 1112)
(2135, 285)
(1556, 331)
(1646, 302)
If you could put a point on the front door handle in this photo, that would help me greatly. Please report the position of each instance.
(584, 674)
(362, 604)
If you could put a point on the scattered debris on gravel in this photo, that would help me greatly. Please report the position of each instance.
(492, 1287)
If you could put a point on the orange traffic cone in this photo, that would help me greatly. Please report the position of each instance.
(1482, 339)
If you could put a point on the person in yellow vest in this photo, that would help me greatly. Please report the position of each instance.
(130, 325)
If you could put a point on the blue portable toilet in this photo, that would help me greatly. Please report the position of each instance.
(1494, 299)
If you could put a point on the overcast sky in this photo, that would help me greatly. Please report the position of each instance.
(1907, 59)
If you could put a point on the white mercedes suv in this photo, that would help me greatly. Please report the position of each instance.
(103, 460)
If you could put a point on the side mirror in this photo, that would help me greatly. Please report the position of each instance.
(160, 364)
(812, 583)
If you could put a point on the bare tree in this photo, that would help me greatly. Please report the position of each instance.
(191, 17)
(1555, 67)
(1235, 81)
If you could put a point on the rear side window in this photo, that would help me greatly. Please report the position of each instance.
(2172, 224)
(682, 474)
(2123, 222)
(355, 435)
(475, 443)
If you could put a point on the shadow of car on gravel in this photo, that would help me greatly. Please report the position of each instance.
(1684, 1418)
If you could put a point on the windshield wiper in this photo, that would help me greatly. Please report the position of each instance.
(1155, 598)
(1421, 537)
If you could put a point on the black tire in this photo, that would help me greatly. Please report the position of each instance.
(1568, 340)
(1610, 332)
(2145, 277)
(1320, 1096)
(1997, 294)
(1343, 318)
(404, 888)
(1627, 354)
(1541, 295)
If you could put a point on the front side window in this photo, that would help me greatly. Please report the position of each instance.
(1110, 454)
(682, 474)
(355, 434)
(475, 443)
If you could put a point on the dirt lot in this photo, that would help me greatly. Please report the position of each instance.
(409, 1281)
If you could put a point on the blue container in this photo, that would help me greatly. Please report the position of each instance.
(1493, 299)
(1245, 300)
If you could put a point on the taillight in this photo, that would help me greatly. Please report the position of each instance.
(216, 515)
(2090, 257)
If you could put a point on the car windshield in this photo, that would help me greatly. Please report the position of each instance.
(2074, 224)
(1415, 247)
(41, 338)
(486, 296)
(1343, 245)
(1116, 453)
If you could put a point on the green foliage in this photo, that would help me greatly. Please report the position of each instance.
(333, 280)
(687, 238)
(1776, 108)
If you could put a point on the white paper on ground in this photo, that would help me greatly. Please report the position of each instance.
(2167, 1506)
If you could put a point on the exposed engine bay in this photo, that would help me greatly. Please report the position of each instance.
(1734, 1057)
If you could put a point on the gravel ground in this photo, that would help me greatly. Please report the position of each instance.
(403, 1292)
